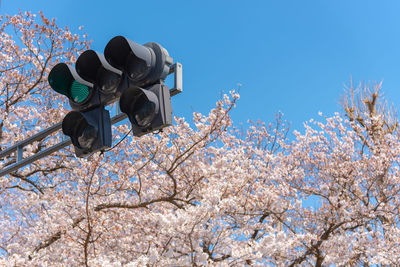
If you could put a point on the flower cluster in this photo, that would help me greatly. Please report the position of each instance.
(199, 193)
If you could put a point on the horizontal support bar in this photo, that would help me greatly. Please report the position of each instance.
(117, 118)
(45, 133)
(31, 139)
(35, 157)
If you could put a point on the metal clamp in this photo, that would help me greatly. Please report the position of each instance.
(177, 70)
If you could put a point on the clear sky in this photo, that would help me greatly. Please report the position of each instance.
(290, 56)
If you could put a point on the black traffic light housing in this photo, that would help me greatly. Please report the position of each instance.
(129, 72)
(145, 99)
(89, 124)
(148, 109)
(90, 131)
(144, 65)
(107, 80)
(81, 94)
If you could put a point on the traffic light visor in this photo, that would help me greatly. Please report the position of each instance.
(140, 105)
(82, 134)
(90, 130)
(119, 49)
(74, 124)
(94, 68)
(62, 81)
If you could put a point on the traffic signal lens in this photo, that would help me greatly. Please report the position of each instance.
(108, 81)
(140, 105)
(144, 113)
(79, 92)
(81, 132)
(141, 109)
(87, 137)
(136, 67)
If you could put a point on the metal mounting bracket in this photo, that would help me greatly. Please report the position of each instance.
(177, 70)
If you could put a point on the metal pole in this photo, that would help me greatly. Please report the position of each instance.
(39, 155)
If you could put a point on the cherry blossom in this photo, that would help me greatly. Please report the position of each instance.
(202, 192)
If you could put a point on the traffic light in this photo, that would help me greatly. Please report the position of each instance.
(65, 80)
(147, 109)
(145, 98)
(90, 131)
(89, 124)
(107, 80)
(131, 73)
(144, 64)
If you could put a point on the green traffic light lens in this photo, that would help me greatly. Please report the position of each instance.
(62, 81)
(79, 92)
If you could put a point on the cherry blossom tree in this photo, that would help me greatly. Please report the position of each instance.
(201, 192)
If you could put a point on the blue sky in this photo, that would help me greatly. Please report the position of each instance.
(289, 56)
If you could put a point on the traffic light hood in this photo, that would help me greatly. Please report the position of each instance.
(148, 109)
(140, 105)
(143, 64)
(118, 49)
(94, 68)
(65, 80)
(90, 131)
(73, 125)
